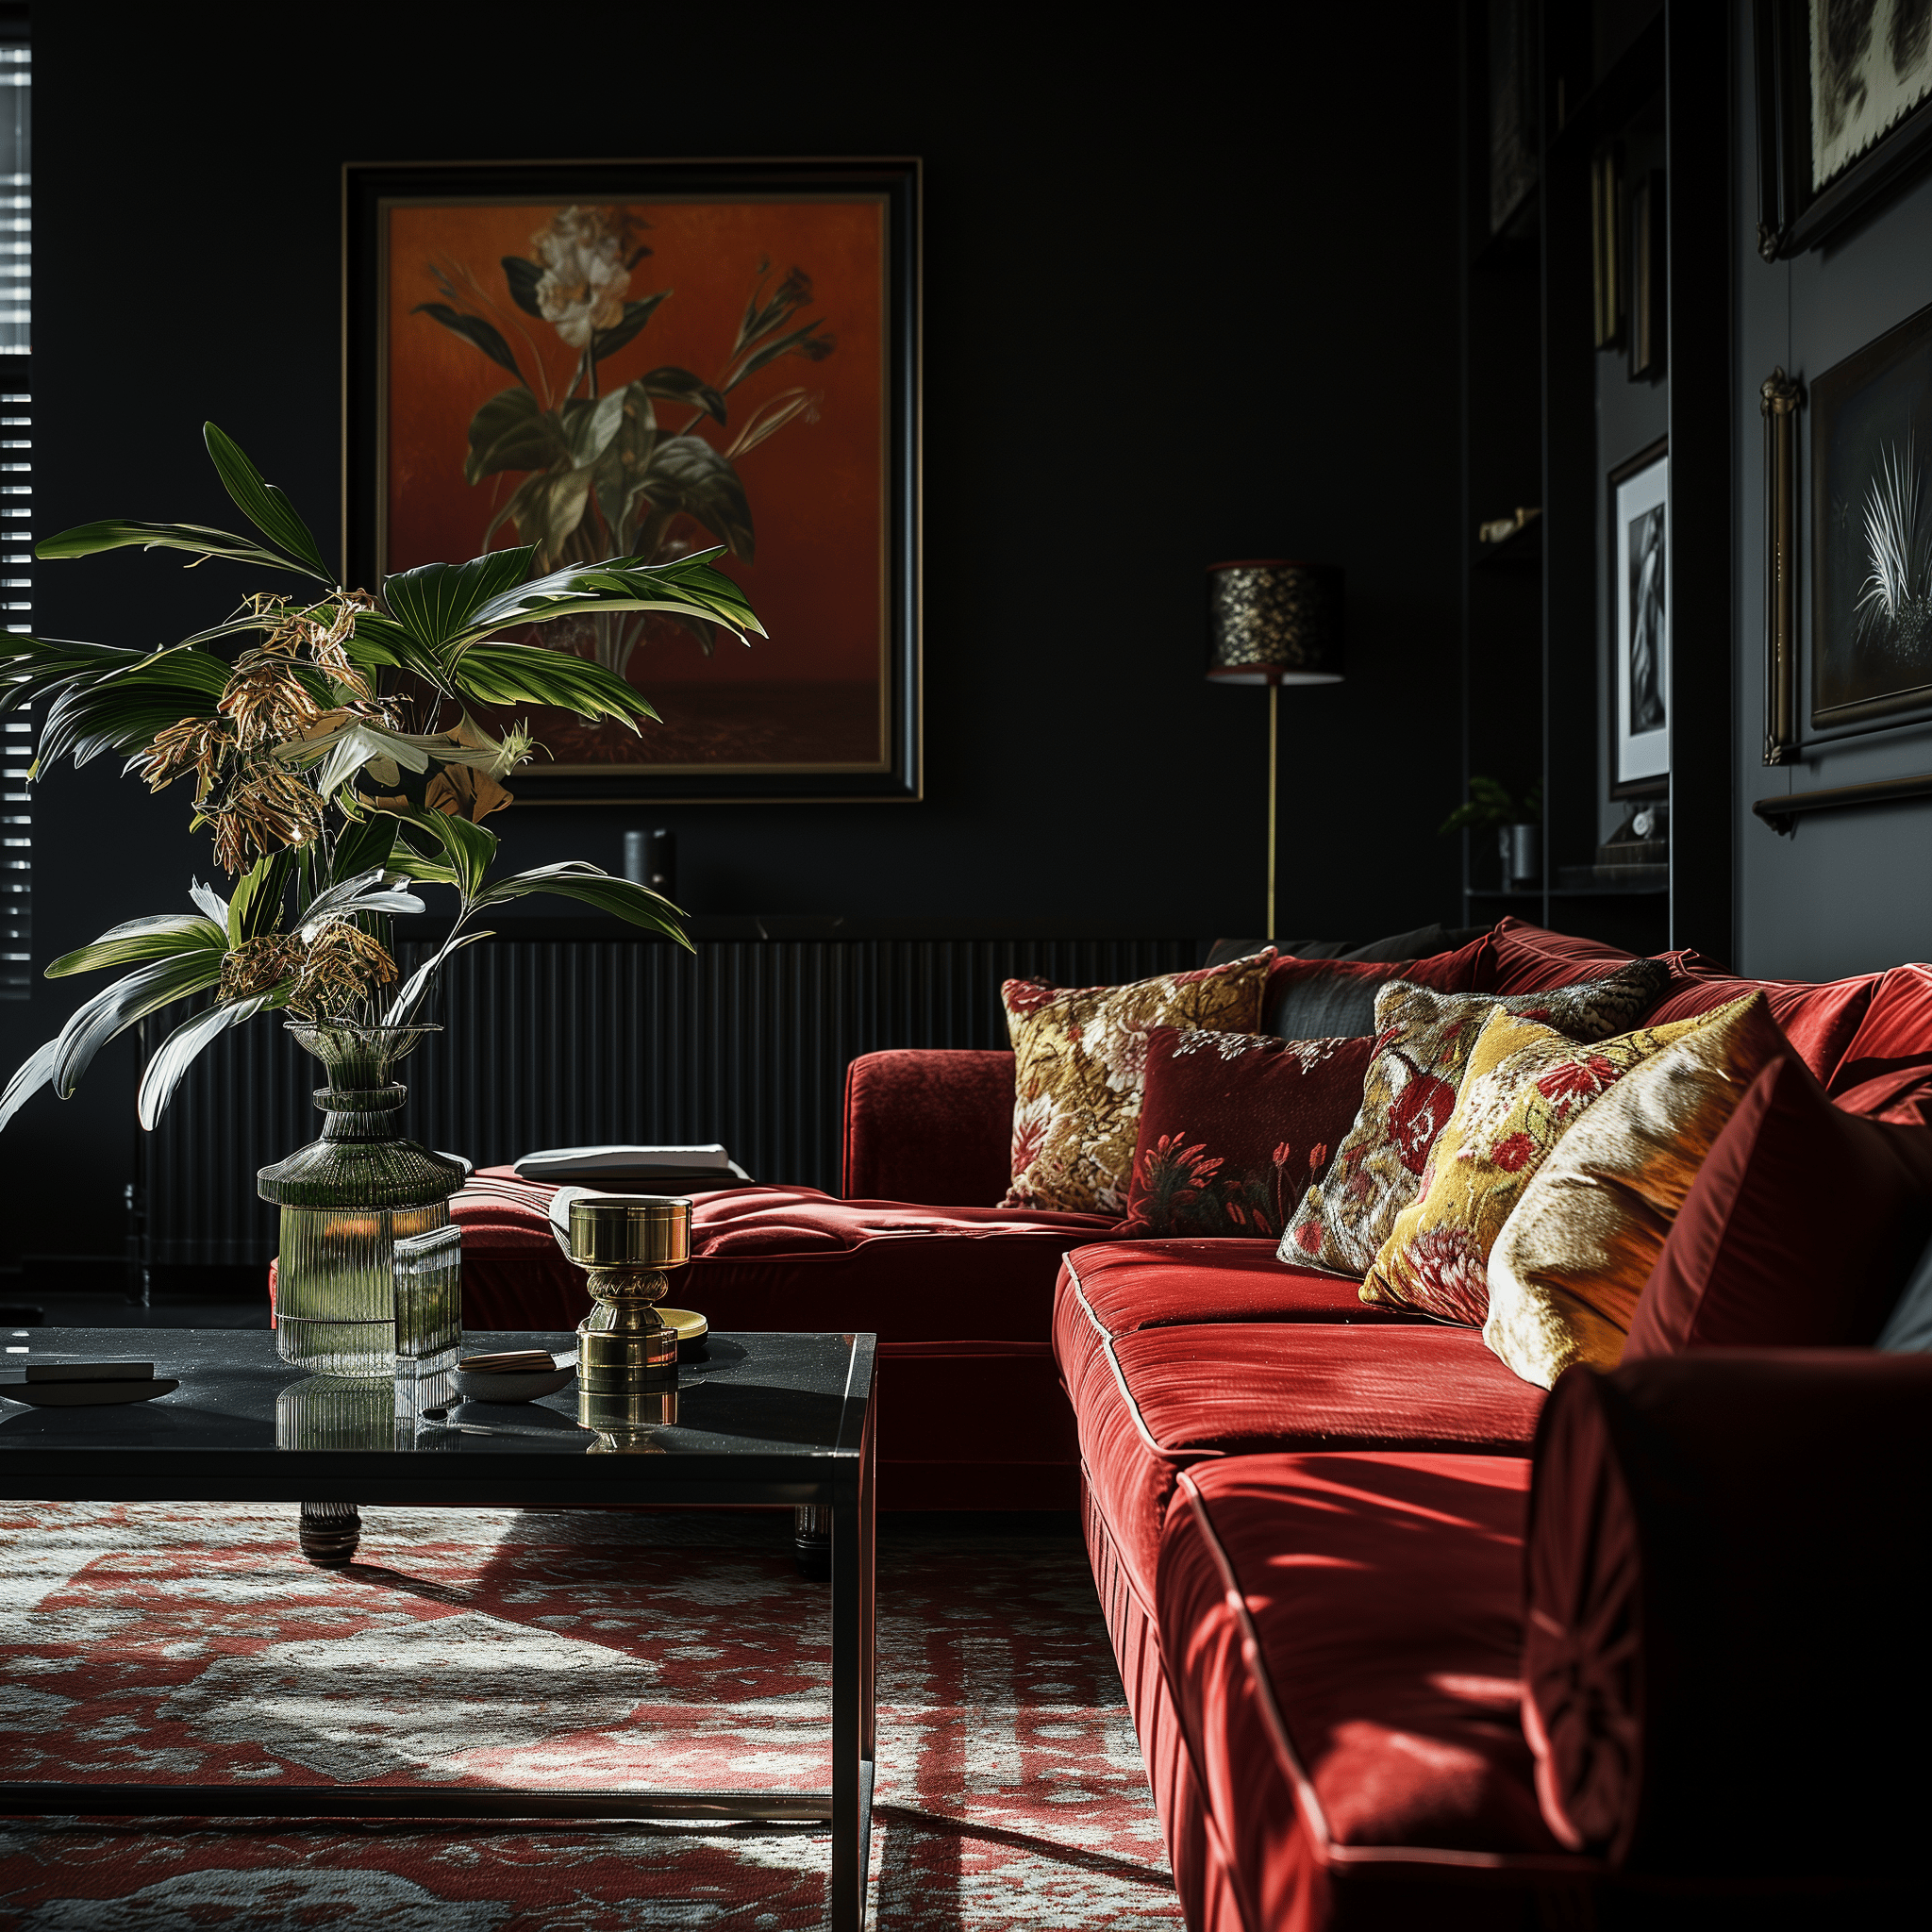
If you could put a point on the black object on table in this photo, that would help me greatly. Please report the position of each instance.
(763, 1418)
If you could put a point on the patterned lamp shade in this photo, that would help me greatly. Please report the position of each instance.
(1273, 621)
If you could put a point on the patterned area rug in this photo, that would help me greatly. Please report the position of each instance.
(191, 1643)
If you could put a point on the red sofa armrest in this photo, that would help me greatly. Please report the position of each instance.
(1726, 1568)
(929, 1124)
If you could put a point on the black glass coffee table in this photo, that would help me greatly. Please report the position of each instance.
(756, 1418)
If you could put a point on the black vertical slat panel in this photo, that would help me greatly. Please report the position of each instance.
(567, 1042)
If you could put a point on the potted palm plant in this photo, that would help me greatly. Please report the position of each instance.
(343, 749)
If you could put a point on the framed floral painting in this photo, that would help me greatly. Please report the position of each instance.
(650, 359)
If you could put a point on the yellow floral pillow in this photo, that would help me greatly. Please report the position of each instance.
(1524, 1086)
(1081, 1056)
(1571, 1261)
(1422, 1044)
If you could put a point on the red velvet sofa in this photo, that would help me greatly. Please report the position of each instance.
(1334, 1544)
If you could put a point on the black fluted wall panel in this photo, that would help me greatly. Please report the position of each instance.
(561, 1043)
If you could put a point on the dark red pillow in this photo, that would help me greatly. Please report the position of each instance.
(1340, 993)
(1798, 1232)
(1236, 1127)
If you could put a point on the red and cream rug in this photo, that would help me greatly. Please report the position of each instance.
(191, 1642)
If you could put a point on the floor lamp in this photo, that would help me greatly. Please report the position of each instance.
(1273, 621)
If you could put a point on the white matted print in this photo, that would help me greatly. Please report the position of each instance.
(1641, 632)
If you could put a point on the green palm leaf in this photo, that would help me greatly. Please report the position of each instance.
(158, 937)
(119, 533)
(574, 879)
(262, 503)
(500, 674)
(116, 1007)
(181, 1048)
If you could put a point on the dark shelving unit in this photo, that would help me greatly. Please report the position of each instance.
(1534, 669)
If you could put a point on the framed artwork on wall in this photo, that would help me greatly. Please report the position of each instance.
(1844, 111)
(1871, 530)
(1638, 705)
(649, 359)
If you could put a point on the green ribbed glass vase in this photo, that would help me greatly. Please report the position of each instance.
(345, 1200)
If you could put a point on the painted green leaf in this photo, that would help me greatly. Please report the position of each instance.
(687, 474)
(472, 329)
(606, 342)
(681, 386)
(511, 432)
(522, 277)
(587, 426)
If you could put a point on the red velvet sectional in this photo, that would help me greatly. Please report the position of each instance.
(1334, 1544)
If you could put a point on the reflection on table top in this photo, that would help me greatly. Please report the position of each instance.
(770, 1400)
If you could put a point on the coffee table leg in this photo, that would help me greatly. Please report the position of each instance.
(854, 1654)
(329, 1533)
(811, 1540)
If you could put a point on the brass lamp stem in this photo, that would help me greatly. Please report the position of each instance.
(1273, 696)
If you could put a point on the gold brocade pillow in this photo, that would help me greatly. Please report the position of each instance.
(1525, 1086)
(1422, 1042)
(1571, 1261)
(1079, 1059)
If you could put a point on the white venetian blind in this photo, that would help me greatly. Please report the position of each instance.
(16, 501)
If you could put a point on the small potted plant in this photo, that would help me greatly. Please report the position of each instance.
(1519, 828)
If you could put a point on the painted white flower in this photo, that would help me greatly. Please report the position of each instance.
(584, 280)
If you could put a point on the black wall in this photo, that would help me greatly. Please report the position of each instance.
(1184, 299)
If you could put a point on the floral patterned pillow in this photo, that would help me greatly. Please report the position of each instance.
(1525, 1084)
(1422, 1044)
(1235, 1126)
(1081, 1055)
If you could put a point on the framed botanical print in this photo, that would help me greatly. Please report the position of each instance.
(1639, 707)
(649, 359)
(1871, 530)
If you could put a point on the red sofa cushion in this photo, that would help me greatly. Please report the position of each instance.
(793, 1258)
(1799, 1231)
(1819, 1020)
(1234, 1126)
(1156, 1400)
(1894, 1037)
(1343, 1636)
(931, 1125)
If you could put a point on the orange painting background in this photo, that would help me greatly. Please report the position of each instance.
(816, 489)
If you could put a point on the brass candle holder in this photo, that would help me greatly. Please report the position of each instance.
(626, 1351)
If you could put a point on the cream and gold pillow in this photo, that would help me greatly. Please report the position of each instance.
(1571, 1259)
(1081, 1055)
(1525, 1086)
(1422, 1044)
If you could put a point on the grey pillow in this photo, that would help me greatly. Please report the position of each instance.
(1326, 1005)
(1422, 943)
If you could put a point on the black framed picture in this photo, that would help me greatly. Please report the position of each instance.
(648, 360)
(1844, 111)
(1871, 530)
(1639, 613)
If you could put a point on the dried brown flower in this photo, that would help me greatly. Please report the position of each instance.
(267, 808)
(197, 744)
(341, 964)
(260, 965)
(466, 792)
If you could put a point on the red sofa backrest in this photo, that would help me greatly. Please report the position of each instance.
(933, 1126)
